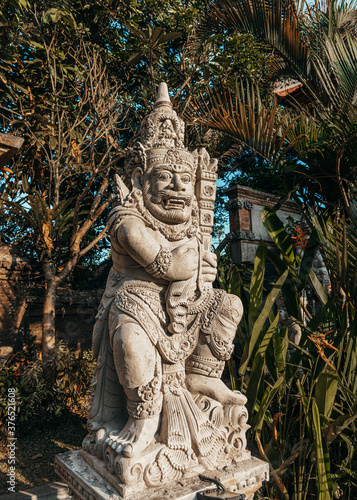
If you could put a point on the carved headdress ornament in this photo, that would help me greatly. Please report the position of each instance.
(161, 139)
(162, 143)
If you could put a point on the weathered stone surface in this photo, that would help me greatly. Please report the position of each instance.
(86, 483)
(160, 411)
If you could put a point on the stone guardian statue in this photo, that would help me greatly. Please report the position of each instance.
(159, 409)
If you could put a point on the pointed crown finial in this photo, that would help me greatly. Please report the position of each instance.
(163, 98)
(162, 128)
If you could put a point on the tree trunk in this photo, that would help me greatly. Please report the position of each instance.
(49, 312)
(17, 333)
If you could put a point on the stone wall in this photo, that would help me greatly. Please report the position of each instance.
(14, 272)
(21, 299)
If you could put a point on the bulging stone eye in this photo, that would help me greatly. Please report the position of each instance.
(165, 176)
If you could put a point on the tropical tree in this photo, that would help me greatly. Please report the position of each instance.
(60, 98)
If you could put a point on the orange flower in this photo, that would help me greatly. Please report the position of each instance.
(275, 430)
(301, 237)
(321, 343)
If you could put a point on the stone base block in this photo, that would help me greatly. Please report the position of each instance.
(89, 482)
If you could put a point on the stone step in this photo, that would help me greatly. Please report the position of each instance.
(52, 491)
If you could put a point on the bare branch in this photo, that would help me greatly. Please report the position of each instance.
(92, 244)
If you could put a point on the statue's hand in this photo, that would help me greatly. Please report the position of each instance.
(209, 267)
(185, 260)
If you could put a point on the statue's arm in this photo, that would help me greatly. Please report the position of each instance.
(177, 264)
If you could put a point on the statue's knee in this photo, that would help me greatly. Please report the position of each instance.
(232, 309)
(226, 322)
(134, 355)
(131, 340)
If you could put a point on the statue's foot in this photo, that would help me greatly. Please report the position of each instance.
(135, 436)
(215, 389)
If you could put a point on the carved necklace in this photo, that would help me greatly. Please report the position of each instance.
(174, 232)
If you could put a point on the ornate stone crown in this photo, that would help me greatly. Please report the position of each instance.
(161, 139)
(162, 128)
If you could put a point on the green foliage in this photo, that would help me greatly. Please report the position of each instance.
(45, 390)
(57, 94)
(302, 397)
(309, 141)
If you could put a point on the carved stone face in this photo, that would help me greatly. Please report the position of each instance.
(168, 192)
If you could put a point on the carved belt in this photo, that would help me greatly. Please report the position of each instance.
(148, 311)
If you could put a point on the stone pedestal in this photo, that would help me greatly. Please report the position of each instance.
(88, 479)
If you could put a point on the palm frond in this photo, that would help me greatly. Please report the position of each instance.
(346, 17)
(339, 248)
(338, 75)
(244, 118)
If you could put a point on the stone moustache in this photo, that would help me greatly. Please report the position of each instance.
(159, 409)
